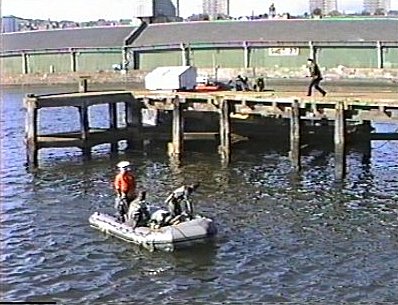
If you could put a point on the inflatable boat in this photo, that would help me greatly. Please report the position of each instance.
(156, 228)
(166, 238)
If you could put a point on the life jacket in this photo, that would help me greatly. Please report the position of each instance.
(125, 183)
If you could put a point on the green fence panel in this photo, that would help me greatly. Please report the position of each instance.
(97, 61)
(48, 63)
(152, 60)
(207, 58)
(203, 58)
(390, 57)
(278, 57)
(11, 65)
(210, 58)
(347, 57)
(233, 58)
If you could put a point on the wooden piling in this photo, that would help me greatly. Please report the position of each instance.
(175, 147)
(224, 148)
(31, 131)
(366, 150)
(112, 109)
(84, 131)
(339, 141)
(295, 136)
(133, 112)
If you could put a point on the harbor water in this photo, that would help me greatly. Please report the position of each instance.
(282, 237)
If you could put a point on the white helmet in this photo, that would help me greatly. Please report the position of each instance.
(123, 164)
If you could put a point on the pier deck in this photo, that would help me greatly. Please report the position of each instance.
(380, 106)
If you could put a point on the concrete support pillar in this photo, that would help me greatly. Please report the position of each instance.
(312, 48)
(295, 153)
(136, 59)
(31, 131)
(125, 58)
(224, 148)
(246, 55)
(339, 141)
(133, 111)
(73, 63)
(84, 131)
(185, 56)
(380, 59)
(112, 109)
(25, 63)
(175, 148)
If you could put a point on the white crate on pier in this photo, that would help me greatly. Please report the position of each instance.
(171, 78)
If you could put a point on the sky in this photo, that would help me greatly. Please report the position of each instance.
(90, 10)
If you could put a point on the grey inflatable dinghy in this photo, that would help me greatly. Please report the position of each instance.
(166, 238)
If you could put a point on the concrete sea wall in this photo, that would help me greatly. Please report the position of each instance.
(137, 76)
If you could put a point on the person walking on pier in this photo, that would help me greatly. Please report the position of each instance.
(315, 74)
(125, 187)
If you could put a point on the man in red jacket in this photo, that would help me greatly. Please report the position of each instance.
(125, 187)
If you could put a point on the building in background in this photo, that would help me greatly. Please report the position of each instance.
(177, 7)
(377, 7)
(152, 11)
(326, 6)
(9, 24)
(214, 8)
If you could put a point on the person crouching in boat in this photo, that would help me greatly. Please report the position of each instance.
(179, 201)
(138, 213)
(125, 187)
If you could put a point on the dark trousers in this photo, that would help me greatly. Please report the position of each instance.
(315, 83)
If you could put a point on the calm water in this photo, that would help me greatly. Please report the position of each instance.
(282, 238)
